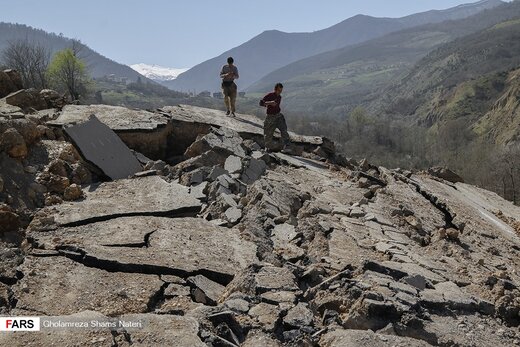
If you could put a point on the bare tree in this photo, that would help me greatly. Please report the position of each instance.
(81, 52)
(30, 59)
(510, 159)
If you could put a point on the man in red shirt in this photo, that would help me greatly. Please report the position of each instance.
(274, 119)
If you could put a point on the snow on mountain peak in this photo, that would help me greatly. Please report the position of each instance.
(156, 72)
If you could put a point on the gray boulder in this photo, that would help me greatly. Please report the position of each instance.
(219, 139)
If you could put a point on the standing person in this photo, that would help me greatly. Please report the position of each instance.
(275, 119)
(229, 74)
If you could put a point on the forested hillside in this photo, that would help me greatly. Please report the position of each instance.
(458, 107)
(98, 65)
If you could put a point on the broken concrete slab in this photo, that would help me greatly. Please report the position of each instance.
(275, 278)
(175, 289)
(208, 160)
(192, 114)
(417, 281)
(400, 270)
(299, 316)
(258, 338)
(300, 162)
(278, 297)
(445, 174)
(131, 197)
(236, 304)
(260, 155)
(115, 117)
(283, 233)
(448, 294)
(176, 246)
(143, 131)
(217, 139)
(254, 169)
(71, 287)
(164, 330)
(366, 338)
(100, 146)
(9, 111)
(321, 254)
(233, 214)
(206, 291)
(266, 315)
(233, 164)
(343, 245)
(198, 191)
(466, 201)
(188, 121)
(178, 305)
(216, 172)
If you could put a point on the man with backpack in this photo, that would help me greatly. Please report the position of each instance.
(275, 119)
(229, 74)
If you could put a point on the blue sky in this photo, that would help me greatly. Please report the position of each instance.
(183, 33)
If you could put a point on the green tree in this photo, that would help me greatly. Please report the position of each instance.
(68, 73)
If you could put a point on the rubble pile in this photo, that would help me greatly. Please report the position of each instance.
(218, 243)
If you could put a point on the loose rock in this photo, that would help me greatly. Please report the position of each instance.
(72, 192)
(13, 143)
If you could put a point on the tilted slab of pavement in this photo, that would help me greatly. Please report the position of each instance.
(102, 147)
(129, 197)
(143, 131)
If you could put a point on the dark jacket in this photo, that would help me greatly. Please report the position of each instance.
(272, 109)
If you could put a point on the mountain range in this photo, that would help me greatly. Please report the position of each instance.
(274, 49)
(334, 82)
(157, 73)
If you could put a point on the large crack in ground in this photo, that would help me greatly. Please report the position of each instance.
(144, 244)
(183, 212)
(433, 199)
(155, 300)
(79, 255)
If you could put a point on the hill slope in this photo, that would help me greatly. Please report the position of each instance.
(458, 106)
(501, 123)
(99, 65)
(334, 82)
(493, 50)
(471, 84)
(274, 49)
